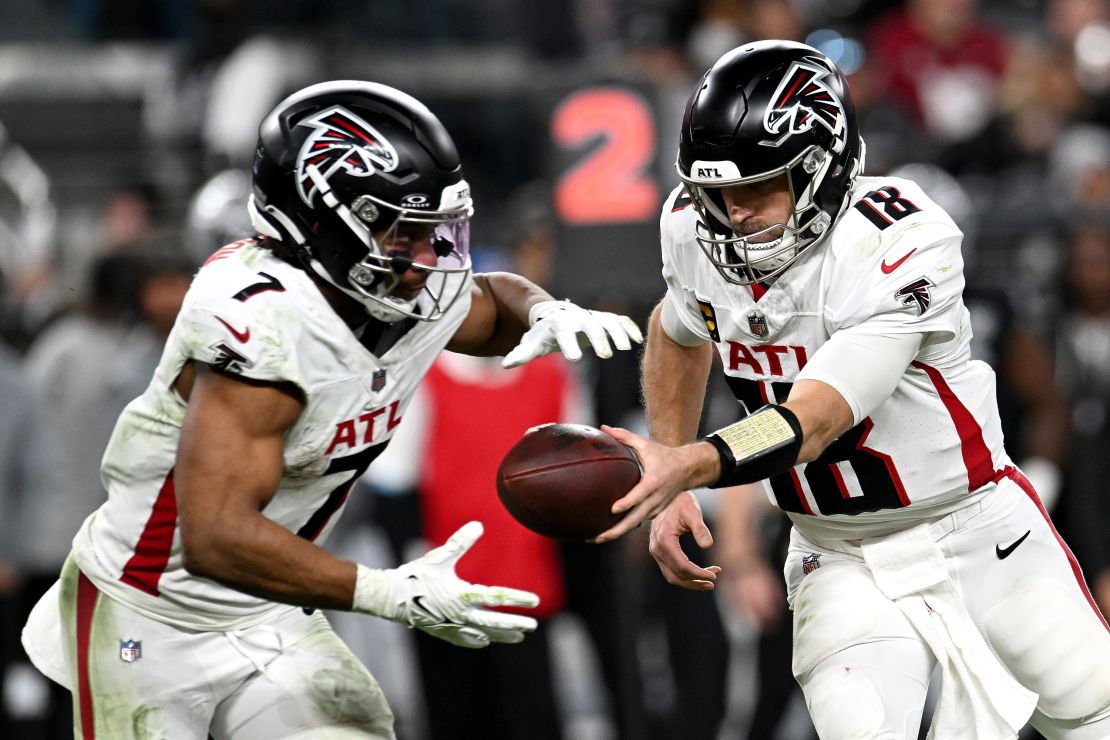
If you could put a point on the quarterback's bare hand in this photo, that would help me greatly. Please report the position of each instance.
(426, 594)
(566, 327)
(681, 516)
(667, 471)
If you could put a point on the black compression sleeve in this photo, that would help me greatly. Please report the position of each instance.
(758, 446)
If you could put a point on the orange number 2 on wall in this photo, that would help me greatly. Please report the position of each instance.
(611, 184)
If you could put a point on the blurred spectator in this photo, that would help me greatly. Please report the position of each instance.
(719, 27)
(937, 60)
(165, 280)
(1066, 19)
(1033, 412)
(1082, 333)
(751, 542)
(1079, 176)
(653, 42)
(24, 459)
(1028, 210)
(130, 212)
(1006, 166)
(774, 19)
(1039, 98)
(83, 368)
(130, 215)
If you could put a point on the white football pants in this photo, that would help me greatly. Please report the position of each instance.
(134, 677)
(865, 670)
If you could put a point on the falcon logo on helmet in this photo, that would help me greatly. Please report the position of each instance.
(342, 140)
(802, 100)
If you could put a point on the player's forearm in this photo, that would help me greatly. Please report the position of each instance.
(673, 385)
(498, 314)
(822, 413)
(252, 554)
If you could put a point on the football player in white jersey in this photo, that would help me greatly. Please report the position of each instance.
(189, 605)
(834, 302)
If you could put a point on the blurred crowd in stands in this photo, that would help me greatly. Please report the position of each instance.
(999, 108)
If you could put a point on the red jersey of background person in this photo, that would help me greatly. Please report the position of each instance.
(914, 45)
(476, 412)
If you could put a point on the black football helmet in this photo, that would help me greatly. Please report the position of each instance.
(766, 109)
(344, 173)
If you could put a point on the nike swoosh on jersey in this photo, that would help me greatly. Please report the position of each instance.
(887, 269)
(1004, 552)
(243, 336)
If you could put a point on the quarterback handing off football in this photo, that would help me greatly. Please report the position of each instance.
(560, 480)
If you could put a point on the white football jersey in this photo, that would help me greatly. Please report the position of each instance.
(253, 315)
(892, 262)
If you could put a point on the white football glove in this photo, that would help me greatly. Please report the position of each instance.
(556, 325)
(426, 594)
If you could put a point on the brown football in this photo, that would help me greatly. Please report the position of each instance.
(560, 480)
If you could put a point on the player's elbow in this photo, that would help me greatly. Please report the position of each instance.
(201, 548)
(196, 559)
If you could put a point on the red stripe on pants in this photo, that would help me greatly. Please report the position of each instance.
(87, 595)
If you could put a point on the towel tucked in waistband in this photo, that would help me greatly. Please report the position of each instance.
(979, 698)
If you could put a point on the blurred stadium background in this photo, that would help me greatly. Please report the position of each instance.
(127, 129)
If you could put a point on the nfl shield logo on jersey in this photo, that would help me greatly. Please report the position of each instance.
(130, 651)
(757, 324)
(377, 380)
(810, 563)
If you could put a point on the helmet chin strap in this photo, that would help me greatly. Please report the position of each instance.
(379, 308)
